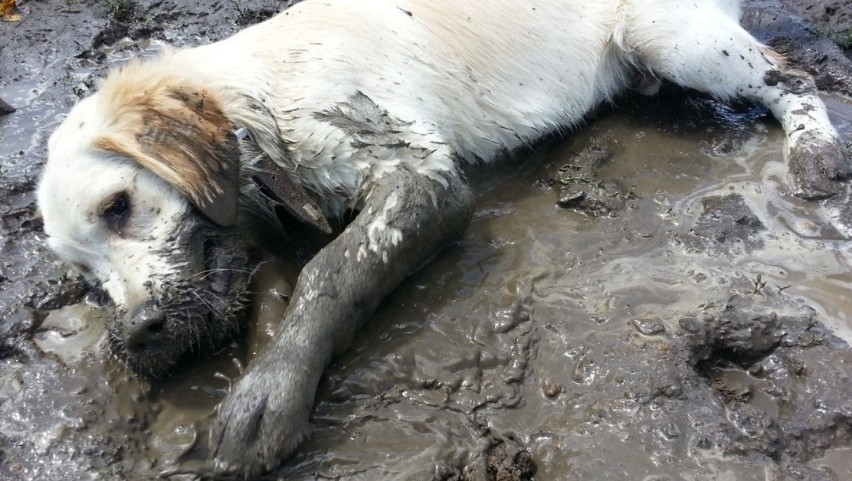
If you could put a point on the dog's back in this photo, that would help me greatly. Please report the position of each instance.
(481, 76)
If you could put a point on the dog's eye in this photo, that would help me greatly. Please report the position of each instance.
(116, 212)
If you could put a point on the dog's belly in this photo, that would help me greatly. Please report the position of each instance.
(504, 73)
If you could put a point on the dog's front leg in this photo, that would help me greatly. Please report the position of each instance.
(407, 217)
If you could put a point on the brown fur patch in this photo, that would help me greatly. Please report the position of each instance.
(178, 132)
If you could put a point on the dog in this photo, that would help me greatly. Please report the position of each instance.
(366, 112)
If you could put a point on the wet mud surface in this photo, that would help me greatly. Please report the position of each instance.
(817, 38)
(640, 300)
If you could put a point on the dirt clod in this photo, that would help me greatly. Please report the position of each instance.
(756, 363)
(551, 388)
(726, 224)
(5, 109)
(508, 463)
(648, 327)
(55, 294)
(581, 190)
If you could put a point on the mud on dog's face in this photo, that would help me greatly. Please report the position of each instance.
(141, 201)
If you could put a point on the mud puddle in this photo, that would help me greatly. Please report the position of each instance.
(679, 316)
(562, 342)
(566, 330)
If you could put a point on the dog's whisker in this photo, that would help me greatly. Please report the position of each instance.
(257, 269)
(219, 375)
(193, 333)
(205, 302)
(208, 272)
(239, 365)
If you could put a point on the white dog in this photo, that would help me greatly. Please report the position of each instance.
(370, 106)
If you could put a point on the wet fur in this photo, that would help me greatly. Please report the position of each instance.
(201, 316)
(177, 132)
(366, 107)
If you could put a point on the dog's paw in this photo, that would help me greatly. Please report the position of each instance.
(261, 421)
(818, 166)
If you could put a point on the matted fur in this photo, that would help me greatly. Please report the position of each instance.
(176, 131)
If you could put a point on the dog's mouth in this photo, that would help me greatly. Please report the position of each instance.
(200, 311)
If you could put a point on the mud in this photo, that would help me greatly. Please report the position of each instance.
(817, 38)
(5, 109)
(639, 300)
(581, 190)
(725, 223)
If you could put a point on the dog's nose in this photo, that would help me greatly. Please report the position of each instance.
(146, 328)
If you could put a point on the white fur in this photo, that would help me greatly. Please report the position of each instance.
(379, 233)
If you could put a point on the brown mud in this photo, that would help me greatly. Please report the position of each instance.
(639, 300)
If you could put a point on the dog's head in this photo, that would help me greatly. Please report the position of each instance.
(140, 194)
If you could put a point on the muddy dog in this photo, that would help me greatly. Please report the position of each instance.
(374, 108)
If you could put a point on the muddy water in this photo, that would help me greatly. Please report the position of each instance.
(495, 331)
(508, 338)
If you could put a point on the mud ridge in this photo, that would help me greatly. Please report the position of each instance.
(756, 361)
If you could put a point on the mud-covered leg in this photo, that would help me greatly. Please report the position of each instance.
(815, 159)
(702, 46)
(406, 219)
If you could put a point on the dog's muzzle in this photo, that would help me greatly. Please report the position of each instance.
(191, 313)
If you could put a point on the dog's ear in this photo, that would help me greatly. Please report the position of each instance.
(181, 135)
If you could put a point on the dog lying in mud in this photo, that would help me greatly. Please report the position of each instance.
(367, 112)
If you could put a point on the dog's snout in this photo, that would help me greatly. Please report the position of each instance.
(146, 328)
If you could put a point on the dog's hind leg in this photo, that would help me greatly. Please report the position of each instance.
(406, 218)
(700, 45)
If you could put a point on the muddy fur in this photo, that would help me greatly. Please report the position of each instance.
(201, 311)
